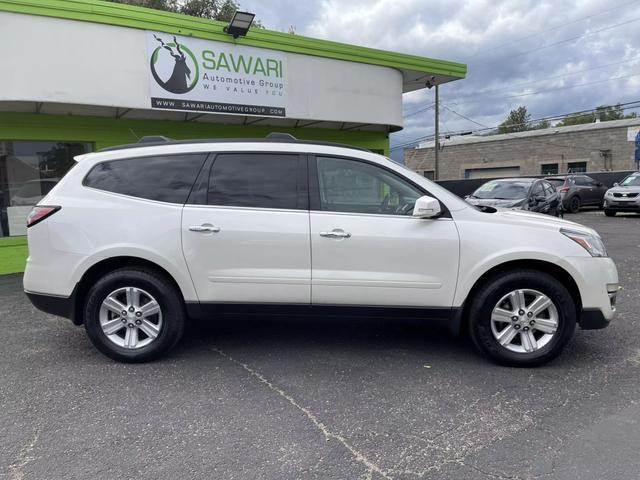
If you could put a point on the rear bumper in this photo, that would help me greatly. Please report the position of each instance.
(54, 305)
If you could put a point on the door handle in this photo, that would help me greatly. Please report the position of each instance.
(204, 228)
(336, 233)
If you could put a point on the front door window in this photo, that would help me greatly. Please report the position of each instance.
(357, 187)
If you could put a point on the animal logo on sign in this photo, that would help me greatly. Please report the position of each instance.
(184, 71)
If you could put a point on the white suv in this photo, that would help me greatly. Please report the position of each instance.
(135, 240)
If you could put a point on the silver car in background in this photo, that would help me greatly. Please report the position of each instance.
(624, 196)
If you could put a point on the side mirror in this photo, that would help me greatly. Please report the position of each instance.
(615, 184)
(426, 207)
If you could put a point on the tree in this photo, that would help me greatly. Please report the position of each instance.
(212, 9)
(540, 125)
(517, 121)
(602, 113)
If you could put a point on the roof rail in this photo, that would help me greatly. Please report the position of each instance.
(281, 136)
(155, 139)
(158, 141)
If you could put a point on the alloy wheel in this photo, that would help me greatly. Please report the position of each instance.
(524, 320)
(130, 317)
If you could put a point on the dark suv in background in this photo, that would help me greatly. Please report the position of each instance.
(578, 191)
(533, 194)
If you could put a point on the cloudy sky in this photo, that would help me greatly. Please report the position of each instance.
(553, 56)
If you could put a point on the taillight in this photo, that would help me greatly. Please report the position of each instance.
(563, 189)
(39, 213)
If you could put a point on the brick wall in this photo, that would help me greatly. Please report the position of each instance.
(555, 145)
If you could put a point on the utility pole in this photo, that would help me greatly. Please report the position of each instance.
(437, 144)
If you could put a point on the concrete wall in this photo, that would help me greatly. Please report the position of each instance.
(533, 149)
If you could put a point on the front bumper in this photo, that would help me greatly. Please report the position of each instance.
(622, 206)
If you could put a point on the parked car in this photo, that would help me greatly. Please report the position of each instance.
(136, 240)
(32, 191)
(624, 196)
(531, 194)
(578, 191)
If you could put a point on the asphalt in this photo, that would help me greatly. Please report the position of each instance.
(319, 399)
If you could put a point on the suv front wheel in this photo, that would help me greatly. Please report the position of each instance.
(134, 315)
(522, 318)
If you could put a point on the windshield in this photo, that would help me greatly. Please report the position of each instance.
(503, 189)
(631, 181)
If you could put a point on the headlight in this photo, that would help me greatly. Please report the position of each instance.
(591, 243)
(608, 194)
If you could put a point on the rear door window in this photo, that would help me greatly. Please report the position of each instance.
(167, 178)
(582, 181)
(258, 180)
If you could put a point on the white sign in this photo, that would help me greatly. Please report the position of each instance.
(17, 219)
(196, 75)
(631, 133)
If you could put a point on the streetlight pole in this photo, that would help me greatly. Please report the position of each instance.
(437, 143)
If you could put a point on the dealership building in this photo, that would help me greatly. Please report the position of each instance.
(82, 75)
(592, 147)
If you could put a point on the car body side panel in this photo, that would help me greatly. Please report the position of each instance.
(94, 225)
(488, 240)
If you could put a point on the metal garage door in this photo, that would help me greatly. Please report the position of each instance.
(495, 172)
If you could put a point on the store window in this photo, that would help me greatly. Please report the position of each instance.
(28, 171)
(576, 167)
(549, 169)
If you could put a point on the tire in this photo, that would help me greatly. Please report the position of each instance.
(574, 204)
(609, 213)
(147, 285)
(550, 345)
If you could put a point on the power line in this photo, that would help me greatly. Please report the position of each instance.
(623, 107)
(566, 40)
(424, 109)
(556, 27)
(484, 92)
(520, 137)
(568, 87)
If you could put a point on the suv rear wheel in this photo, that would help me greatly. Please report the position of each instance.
(523, 318)
(574, 204)
(134, 315)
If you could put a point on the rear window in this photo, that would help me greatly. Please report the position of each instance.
(166, 178)
(556, 182)
(583, 181)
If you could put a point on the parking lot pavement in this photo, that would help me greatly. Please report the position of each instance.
(314, 399)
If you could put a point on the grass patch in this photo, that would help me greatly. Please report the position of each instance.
(13, 254)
